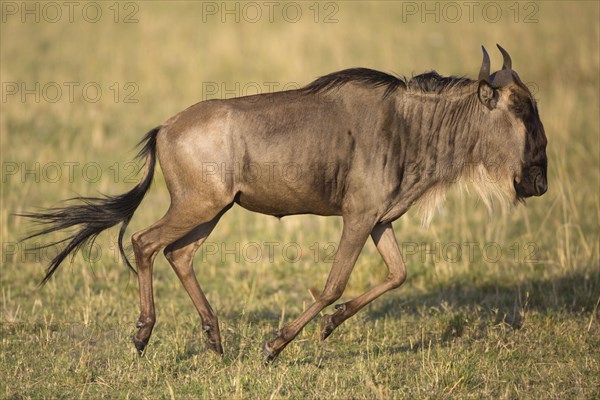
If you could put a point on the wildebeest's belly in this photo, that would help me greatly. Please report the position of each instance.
(279, 201)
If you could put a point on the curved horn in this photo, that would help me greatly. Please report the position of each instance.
(484, 72)
(507, 61)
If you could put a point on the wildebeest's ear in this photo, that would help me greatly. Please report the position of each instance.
(487, 95)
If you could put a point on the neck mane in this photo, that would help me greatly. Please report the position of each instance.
(429, 82)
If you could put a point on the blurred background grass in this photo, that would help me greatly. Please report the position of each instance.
(171, 54)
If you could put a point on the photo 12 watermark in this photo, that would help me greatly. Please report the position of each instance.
(250, 172)
(52, 12)
(69, 171)
(230, 90)
(289, 252)
(470, 11)
(326, 12)
(69, 92)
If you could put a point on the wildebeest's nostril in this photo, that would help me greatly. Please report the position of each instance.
(541, 185)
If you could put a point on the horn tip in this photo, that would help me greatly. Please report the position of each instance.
(507, 61)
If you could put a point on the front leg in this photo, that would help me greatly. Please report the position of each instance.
(383, 236)
(354, 236)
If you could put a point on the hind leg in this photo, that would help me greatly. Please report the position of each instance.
(181, 257)
(178, 222)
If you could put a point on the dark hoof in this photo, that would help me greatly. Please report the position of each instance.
(144, 326)
(327, 326)
(213, 338)
(216, 347)
(332, 321)
(269, 353)
(139, 345)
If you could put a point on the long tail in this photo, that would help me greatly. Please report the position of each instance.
(96, 214)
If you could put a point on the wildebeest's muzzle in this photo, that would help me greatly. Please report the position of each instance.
(533, 182)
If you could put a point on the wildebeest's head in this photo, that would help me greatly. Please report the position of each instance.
(517, 135)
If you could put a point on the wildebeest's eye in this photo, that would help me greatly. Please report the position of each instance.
(521, 108)
(521, 105)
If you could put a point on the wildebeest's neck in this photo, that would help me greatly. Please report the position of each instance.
(441, 132)
(440, 137)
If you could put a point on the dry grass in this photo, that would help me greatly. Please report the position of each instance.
(520, 326)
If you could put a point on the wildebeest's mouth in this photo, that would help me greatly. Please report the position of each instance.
(519, 192)
(533, 183)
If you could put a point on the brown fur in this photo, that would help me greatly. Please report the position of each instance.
(369, 146)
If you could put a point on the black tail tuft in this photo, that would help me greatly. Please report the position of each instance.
(95, 215)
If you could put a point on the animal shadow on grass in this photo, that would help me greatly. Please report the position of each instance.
(475, 309)
(574, 292)
(465, 311)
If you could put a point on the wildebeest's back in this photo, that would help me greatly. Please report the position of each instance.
(284, 152)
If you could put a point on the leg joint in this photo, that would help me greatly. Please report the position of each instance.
(168, 252)
(330, 296)
(144, 250)
(397, 279)
(146, 321)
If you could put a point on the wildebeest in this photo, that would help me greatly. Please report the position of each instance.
(365, 146)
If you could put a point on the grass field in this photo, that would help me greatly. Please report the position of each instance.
(503, 306)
